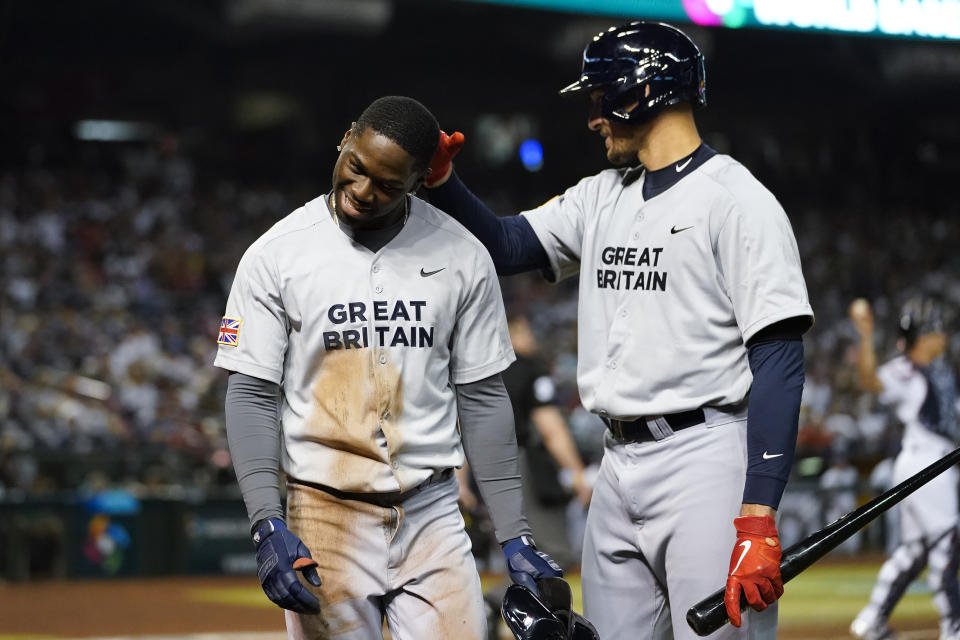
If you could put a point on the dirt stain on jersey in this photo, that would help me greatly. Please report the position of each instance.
(357, 393)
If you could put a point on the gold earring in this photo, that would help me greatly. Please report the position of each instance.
(339, 148)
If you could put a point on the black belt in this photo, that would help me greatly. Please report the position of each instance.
(639, 431)
(383, 498)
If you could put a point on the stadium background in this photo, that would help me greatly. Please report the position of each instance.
(144, 145)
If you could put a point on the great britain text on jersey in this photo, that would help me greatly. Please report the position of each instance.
(382, 335)
(648, 280)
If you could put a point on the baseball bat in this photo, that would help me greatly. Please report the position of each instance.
(709, 614)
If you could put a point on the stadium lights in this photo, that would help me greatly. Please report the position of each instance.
(938, 19)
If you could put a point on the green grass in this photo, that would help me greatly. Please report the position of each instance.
(242, 596)
(835, 593)
(827, 594)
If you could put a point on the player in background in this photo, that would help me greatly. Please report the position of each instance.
(551, 468)
(550, 462)
(357, 328)
(920, 388)
(692, 306)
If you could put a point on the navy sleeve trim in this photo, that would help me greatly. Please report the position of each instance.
(511, 240)
(772, 418)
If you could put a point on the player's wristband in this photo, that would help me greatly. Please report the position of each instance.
(263, 529)
(513, 545)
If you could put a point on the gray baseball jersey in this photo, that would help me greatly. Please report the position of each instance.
(671, 288)
(933, 508)
(924, 400)
(364, 345)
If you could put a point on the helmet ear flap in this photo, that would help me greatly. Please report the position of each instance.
(556, 595)
(623, 105)
(549, 616)
(528, 618)
(583, 629)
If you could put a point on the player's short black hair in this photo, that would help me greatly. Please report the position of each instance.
(405, 121)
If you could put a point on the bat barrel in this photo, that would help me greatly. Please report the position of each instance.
(710, 614)
(801, 555)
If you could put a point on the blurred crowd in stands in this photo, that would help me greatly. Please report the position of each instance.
(112, 282)
(114, 272)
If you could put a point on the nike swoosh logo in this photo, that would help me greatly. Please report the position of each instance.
(427, 274)
(771, 456)
(682, 166)
(746, 544)
(674, 229)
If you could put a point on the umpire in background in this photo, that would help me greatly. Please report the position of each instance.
(551, 468)
(547, 449)
(548, 453)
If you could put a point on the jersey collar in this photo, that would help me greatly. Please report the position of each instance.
(656, 182)
(372, 239)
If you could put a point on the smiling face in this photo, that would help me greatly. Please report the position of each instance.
(371, 180)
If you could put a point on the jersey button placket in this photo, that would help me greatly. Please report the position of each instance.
(375, 269)
(638, 219)
(618, 325)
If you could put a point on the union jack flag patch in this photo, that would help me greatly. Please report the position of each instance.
(229, 331)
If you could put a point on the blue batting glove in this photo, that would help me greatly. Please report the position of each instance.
(527, 565)
(280, 554)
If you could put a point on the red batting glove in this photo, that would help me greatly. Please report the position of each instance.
(440, 165)
(754, 566)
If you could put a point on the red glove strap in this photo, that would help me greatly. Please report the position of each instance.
(756, 525)
(754, 566)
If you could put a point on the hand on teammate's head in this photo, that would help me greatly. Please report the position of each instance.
(442, 164)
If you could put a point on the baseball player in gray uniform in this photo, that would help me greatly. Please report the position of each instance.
(357, 329)
(692, 306)
(920, 387)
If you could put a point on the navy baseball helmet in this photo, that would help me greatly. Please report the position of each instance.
(647, 64)
(546, 617)
(920, 315)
